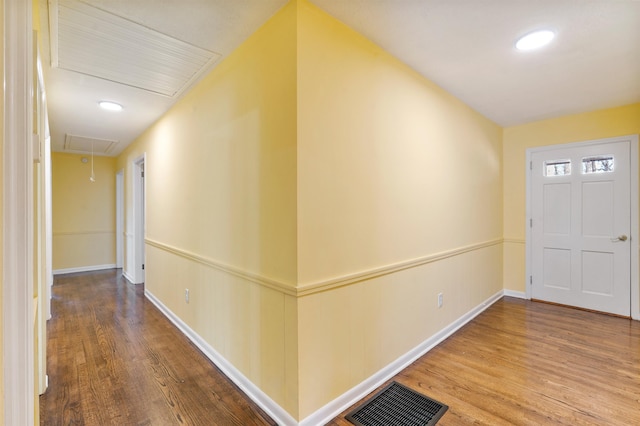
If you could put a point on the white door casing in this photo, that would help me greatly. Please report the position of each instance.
(574, 254)
(17, 170)
(138, 219)
(120, 219)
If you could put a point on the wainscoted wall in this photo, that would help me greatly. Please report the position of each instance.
(514, 261)
(245, 321)
(359, 329)
(220, 171)
(355, 331)
(399, 199)
(315, 195)
(84, 226)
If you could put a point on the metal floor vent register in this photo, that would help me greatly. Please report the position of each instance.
(398, 405)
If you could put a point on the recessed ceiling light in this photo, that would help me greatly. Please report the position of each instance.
(535, 40)
(110, 106)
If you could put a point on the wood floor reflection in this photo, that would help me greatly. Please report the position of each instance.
(528, 363)
(114, 359)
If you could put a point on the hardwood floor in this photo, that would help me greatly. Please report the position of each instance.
(527, 363)
(114, 359)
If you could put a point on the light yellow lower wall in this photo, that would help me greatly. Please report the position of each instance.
(607, 123)
(249, 324)
(514, 274)
(352, 332)
(83, 249)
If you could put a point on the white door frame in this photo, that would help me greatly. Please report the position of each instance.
(120, 219)
(17, 205)
(633, 144)
(138, 211)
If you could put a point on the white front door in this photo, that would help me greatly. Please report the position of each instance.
(580, 226)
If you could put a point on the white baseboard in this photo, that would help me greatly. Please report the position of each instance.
(277, 413)
(127, 276)
(513, 293)
(355, 394)
(338, 405)
(84, 269)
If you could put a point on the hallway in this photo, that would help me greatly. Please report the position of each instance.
(114, 359)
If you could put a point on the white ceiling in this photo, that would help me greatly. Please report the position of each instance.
(465, 46)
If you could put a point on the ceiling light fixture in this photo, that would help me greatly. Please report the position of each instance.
(110, 106)
(535, 40)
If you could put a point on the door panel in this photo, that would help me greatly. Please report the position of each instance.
(557, 209)
(580, 205)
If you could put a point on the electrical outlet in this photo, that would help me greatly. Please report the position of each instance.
(186, 295)
(439, 300)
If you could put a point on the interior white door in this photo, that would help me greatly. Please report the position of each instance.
(580, 226)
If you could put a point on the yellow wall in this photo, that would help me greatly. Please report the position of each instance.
(399, 183)
(601, 124)
(83, 212)
(220, 174)
(307, 156)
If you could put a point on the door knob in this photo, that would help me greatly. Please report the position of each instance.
(619, 238)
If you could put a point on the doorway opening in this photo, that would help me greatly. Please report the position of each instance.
(120, 219)
(135, 240)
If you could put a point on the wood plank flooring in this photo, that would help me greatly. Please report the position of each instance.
(528, 363)
(114, 359)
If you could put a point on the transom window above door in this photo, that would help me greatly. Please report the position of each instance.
(601, 164)
(557, 168)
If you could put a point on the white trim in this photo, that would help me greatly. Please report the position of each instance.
(274, 410)
(635, 231)
(231, 270)
(318, 287)
(635, 211)
(137, 215)
(48, 201)
(308, 289)
(514, 293)
(84, 269)
(338, 405)
(17, 205)
(514, 241)
(120, 218)
(127, 276)
(355, 394)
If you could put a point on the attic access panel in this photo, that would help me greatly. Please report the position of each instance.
(91, 41)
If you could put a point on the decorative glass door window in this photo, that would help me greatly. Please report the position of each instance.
(601, 164)
(557, 168)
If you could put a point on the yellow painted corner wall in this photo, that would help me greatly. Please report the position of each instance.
(620, 121)
(220, 170)
(83, 212)
(390, 166)
(391, 170)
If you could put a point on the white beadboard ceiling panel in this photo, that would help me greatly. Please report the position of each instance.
(82, 144)
(97, 43)
(464, 46)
